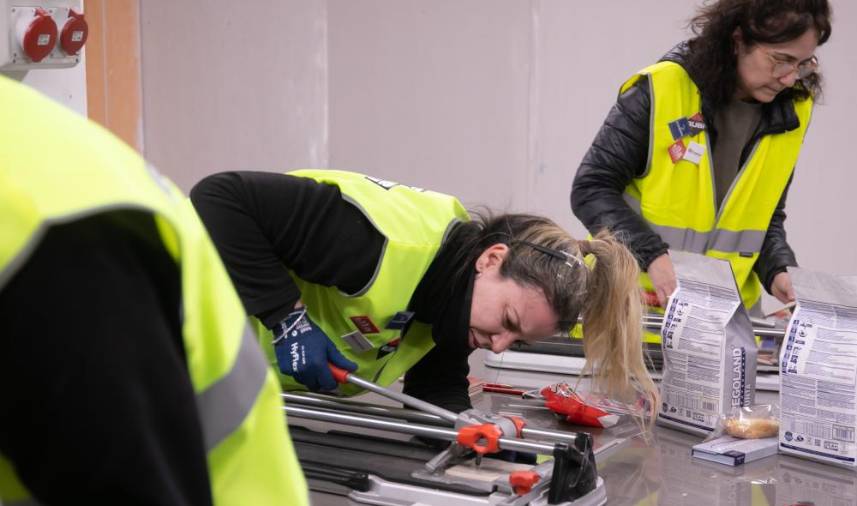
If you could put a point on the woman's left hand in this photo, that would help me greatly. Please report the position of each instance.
(782, 289)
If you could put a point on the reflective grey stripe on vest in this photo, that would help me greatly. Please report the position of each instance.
(633, 203)
(687, 239)
(684, 239)
(740, 241)
(224, 405)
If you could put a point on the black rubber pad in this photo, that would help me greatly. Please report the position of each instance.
(347, 453)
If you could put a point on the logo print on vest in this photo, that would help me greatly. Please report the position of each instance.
(696, 123)
(364, 324)
(387, 184)
(677, 150)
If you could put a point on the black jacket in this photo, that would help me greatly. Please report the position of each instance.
(619, 153)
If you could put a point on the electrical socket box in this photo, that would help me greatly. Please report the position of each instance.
(42, 34)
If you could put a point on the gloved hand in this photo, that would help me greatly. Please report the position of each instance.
(303, 352)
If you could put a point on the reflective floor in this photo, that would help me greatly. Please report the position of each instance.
(664, 473)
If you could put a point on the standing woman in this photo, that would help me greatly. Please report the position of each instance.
(387, 279)
(698, 152)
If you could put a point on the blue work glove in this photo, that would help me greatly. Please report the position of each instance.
(303, 352)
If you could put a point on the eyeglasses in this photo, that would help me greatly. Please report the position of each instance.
(563, 256)
(781, 68)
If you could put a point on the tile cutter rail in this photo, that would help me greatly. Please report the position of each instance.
(570, 478)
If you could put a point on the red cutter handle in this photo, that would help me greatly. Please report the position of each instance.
(340, 375)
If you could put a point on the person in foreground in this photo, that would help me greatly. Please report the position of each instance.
(699, 150)
(126, 373)
(387, 279)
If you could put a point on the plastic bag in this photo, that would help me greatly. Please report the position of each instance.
(748, 422)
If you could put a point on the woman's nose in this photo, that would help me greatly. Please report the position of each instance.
(789, 79)
(501, 342)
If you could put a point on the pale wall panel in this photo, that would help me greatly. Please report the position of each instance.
(233, 85)
(493, 100)
(433, 94)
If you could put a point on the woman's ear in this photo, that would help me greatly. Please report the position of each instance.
(492, 257)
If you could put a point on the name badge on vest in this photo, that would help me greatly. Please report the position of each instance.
(679, 128)
(402, 321)
(694, 152)
(357, 342)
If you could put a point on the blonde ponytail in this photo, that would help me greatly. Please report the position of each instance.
(612, 325)
(543, 255)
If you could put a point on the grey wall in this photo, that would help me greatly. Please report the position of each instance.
(494, 101)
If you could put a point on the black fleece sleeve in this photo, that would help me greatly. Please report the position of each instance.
(264, 223)
(618, 154)
(441, 379)
(776, 254)
(98, 407)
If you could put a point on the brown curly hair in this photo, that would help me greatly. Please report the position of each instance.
(711, 59)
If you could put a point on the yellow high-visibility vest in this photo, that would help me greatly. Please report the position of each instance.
(414, 223)
(677, 198)
(56, 167)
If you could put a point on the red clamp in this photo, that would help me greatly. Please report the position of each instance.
(471, 435)
(522, 481)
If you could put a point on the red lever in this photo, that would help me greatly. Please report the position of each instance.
(522, 481)
(471, 435)
(340, 375)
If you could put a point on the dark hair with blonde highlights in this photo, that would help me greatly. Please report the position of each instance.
(596, 279)
(711, 59)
